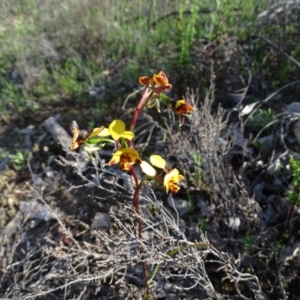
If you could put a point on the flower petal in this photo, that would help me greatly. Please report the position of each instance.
(93, 132)
(131, 152)
(174, 188)
(181, 120)
(126, 157)
(182, 107)
(169, 176)
(157, 161)
(160, 78)
(148, 169)
(179, 103)
(170, 179)
(115, 159)
(129, 135)
(93, 147)
(162, 88)
(77, 139)
(145, 80)
(116, 129)
(104, 132)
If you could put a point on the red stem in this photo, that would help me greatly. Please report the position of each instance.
(140, 106)
(138, 187)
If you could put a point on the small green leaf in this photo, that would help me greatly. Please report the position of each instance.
(94, 140)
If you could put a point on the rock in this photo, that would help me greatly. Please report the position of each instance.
(293, 108)
(36, 210)
(202, 204)
(101, 221)
(296, 130)
(11, 228)
(58, 132)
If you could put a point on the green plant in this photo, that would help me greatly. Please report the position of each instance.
(10, 94)
(186, 34)
(197, 175)
(67, 79)
(11, 98)
(74, 45)
(3, 153)
(262, 118)
(19, 160)
(235, 17)
(294, 194)
(278, 246)
(248, 243)
(126, 155)
(202, 224)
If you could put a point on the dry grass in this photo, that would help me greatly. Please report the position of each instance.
(68, 229)
(67, 256)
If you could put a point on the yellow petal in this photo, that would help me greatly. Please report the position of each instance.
(115, 159)
(170, 176)
(116, 129)
(129, 151)
(157, 161)
(104, 132)
(179, 103)
(93, 132)
(148, 169)
(128, 135)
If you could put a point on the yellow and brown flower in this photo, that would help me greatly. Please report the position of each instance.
(79, 140)
(159, 82)
(126, 157)
(182, 108)
(170, 179)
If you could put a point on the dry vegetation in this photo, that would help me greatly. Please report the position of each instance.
(67, 225)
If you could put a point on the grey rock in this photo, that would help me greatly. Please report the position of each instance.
(101, 221)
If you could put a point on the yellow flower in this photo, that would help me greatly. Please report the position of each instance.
(117, 130)
(182, 107)
(126, 157)
(170, 179)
